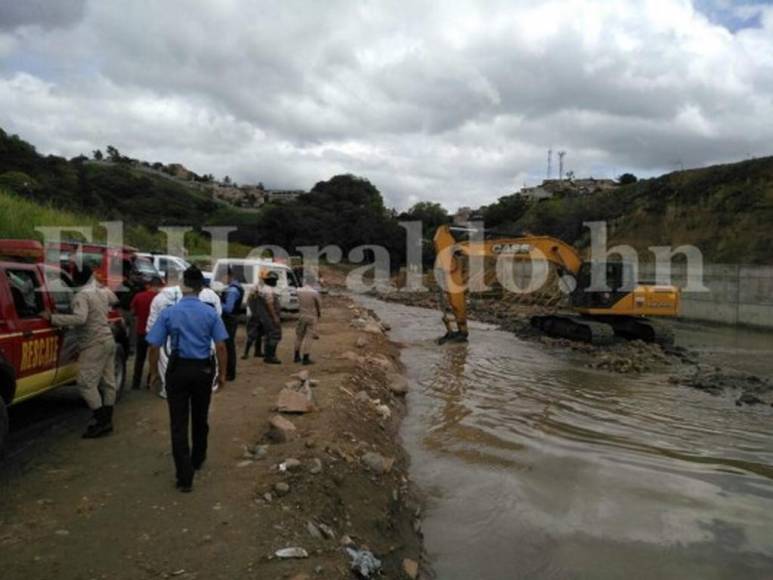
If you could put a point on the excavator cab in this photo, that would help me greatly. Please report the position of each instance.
(619, 278)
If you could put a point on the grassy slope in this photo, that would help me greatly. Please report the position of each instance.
(724, 210)
(19, 217)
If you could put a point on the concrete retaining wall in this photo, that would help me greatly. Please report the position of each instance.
(736, 293)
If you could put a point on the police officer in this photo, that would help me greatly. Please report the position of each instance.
(233, 296)
(192, 327)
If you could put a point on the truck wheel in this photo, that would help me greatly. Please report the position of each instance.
(3, 424)
(120, 370)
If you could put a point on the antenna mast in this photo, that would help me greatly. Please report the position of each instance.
(561, 165)
(550, 162)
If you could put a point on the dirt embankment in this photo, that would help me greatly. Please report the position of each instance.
(322, 487)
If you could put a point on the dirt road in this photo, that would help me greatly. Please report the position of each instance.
(108, 508)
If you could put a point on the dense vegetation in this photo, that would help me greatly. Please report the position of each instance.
(724, 210)
(108, 189)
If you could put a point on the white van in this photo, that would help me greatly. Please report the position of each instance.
(250, 271)
(165, 263)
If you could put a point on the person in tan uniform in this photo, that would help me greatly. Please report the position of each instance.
(310, 312)
(96, 359)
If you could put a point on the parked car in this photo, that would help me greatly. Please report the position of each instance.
(35, 356)
(125, 270)
(166, 263)
(250, 272)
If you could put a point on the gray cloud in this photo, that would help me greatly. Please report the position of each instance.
(46, 14)
(455, 101)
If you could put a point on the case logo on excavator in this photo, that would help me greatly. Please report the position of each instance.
(41, 353)
(511, 248)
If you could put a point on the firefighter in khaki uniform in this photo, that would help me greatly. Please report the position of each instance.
(305, 330)
(96, 359)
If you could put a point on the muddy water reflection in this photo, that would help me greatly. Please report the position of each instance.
(537, 467)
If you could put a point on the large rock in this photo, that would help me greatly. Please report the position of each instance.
(290, 401)
(377, 463)
(281, 430)
(373, 328)
(411, 568)
(382, 362)
(398, 384)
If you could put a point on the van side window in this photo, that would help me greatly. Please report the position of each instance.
(25, 289)
(60, 289)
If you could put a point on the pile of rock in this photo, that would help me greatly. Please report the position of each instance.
(752, 390)
(297, 395)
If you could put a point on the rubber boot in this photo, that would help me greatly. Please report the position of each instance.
(270, 357)
(259, 348)
(297, 357)
(307, 360)
(101, 424)
(246, 354)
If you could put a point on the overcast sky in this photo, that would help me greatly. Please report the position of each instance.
(451, 101)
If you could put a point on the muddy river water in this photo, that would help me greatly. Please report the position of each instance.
(535, 466)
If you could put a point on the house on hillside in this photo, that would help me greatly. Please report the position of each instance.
(283, 195)
(568, 187)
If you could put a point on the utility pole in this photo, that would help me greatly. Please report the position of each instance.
(550, 163)
(561, 165)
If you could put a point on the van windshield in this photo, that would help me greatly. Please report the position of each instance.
(245, 273)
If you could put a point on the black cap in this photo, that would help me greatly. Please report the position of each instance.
(193, 277)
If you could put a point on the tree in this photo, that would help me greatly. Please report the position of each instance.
(113, 154)
(627, 179)
(227, 180)
(429, 213)
(98, 155)
(505, 211)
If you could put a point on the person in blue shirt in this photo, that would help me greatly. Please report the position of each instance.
(191, 326)
(233, 296)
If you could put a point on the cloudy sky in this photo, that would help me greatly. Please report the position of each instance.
(455, 101)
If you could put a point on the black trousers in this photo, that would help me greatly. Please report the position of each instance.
(231, 324)
(141, 352)
(188, 393)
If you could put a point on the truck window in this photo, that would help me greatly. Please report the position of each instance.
(25, 289)
(60, 288)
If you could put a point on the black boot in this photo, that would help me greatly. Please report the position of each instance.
(101, 424)
(307, 360)
(297, 357)
(259, 348)
(247, 348)
(270, 357)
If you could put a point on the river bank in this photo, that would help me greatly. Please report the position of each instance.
(321, 481)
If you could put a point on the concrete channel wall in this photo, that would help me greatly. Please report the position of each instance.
(736, 293)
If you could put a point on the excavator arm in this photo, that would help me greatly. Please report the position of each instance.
(450, 257)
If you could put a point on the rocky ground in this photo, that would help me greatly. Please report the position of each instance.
(305, 477)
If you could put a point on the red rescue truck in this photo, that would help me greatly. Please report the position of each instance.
(35, 356)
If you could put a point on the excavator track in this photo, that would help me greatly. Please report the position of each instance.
(574, 328)
(642, 329)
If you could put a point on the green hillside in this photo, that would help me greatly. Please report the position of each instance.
(724, 210)
(109, 190)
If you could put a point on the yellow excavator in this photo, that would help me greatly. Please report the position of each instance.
(622, 309)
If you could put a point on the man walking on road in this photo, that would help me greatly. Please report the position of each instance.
(140, 307)
(96, 361)
(309, 315)
(192, 326)
(233, 296)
